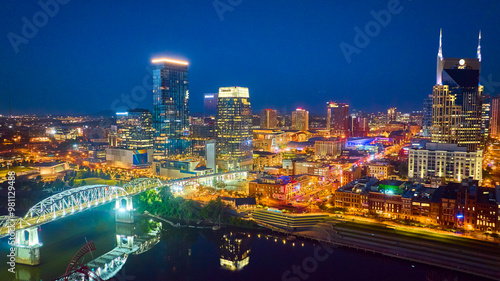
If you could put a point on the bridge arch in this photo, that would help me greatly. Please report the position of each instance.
(73, 200)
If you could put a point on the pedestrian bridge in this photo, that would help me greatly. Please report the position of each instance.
(80, 199)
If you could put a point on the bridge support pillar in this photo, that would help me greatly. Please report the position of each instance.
(27, 246)
(125, 235)
(124, 210)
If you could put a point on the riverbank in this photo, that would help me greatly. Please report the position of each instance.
(472, 257)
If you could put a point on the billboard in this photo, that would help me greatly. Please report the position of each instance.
(140, 157)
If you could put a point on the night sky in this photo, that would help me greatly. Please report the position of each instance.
(286, 52)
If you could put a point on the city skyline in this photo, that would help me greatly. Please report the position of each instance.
(250, 140)
(313, 57)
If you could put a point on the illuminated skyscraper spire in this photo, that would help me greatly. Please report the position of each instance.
(479, 47)
(439, 64)
(440, 52)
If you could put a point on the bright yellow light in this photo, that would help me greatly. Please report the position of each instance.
(169, 60)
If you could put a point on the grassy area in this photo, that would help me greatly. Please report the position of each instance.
(17, 169)
(90, 181)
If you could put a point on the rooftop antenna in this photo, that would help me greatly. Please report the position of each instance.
(440, 52)
(479, 46)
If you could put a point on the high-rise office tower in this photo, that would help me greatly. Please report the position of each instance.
(233, 129)
(427, 117)
(268, 119)
(170, 108)
(457, 101)
(495, 117)
(485, 118)
(391, 114)
(210, 104)
(300, 119)
(337, 118)
(134, 129)
(358, 125)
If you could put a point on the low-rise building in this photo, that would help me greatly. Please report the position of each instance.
(318, 169)
(379, 170)
(128, 158)
(276, 187)
(262, 159)
(329, 148)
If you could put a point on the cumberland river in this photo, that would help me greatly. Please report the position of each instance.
(228, 254)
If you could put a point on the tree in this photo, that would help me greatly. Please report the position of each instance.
(212, 210)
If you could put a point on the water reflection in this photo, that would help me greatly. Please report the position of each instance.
(27, 273)
(194, 254)
(235, 251)
(130, 239)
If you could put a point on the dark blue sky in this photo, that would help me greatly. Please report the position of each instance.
(286, 52)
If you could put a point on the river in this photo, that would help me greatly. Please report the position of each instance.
(227, 254)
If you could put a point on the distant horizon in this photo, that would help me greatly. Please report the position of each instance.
(370, 55)
(313, 114)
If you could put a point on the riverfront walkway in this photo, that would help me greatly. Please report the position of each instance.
(176, 224)
(473, 257)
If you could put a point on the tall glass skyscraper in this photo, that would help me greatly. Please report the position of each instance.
(427, 116)
(135, 130)
(300, 119)
(233, 129)
(337, 118)
(457, 101)
(170, 108)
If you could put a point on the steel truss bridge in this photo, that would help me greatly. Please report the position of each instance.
(80, 199)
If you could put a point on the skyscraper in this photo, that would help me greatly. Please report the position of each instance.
(495, 117)
(233, 129)
(170, 108)
(135, 129)
(427, 117)
(337, 118)
(300, 119)
(210, 104)
(457, 101)
(485, 118)
(268, 119)
(391, 114)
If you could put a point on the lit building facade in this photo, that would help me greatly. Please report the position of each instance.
(379, 170)
(439, 161)
(495, 117)
(427, 117)
(337, 118)
(392, 114)
(300, 119)
(233, 129)
(329, 148)
(134, 129)
(276, 187)
(457, 101)
(170, 108)
(269, 119)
